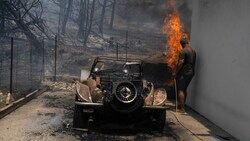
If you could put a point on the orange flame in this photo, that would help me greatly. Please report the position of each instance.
(173, 30)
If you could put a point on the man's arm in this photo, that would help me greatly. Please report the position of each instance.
(179, 65)
(180, 62)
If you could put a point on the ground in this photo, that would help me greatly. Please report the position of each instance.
(49, 118)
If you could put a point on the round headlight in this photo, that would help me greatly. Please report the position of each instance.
(125, 71)
(96, 69)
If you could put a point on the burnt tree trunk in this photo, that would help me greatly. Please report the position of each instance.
(2, 17)
(61, 15)
(86, 21)
(102, 16)
(81, 18)
(66, 16)
(112, 15)
(25, 28)
(89, 25)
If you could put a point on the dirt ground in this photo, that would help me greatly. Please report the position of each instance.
(49, 117)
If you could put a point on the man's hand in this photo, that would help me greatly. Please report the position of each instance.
(174, 74)
(179, 66)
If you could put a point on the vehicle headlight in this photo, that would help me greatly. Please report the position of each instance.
(125, 71)
(96, 69)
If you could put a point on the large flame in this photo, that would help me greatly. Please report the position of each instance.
(173, 30)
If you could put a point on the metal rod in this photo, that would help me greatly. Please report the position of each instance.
(31, 71)
(117, 51)
(1, 69)
(176, 95)
(16, 70)
(55, 56)
(126, 45)
(59, 20)
(11, 66)
(43, 62)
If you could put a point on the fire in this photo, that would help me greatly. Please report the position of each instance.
(173, 30)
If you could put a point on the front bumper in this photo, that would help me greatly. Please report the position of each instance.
(96, 105)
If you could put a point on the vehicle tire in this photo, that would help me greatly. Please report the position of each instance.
(160, 119)
(78, 117)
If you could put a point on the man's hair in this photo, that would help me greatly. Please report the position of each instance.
(184, 41)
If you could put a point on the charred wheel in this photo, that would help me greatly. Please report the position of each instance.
(126, 98)
(159, 119)
(126, 92)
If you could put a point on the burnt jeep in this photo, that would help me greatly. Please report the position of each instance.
(115, 93)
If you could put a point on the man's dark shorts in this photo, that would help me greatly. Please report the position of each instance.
(183, 82)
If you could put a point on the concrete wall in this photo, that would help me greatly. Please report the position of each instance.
(221, 88)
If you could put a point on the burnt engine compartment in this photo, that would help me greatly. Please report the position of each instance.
(122, 87)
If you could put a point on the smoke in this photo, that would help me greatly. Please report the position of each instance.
(147, 13)
(185, 10)
(179, 3)
(151, 13)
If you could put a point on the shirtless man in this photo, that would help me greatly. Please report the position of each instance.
(185, 71)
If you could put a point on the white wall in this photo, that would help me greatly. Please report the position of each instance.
(221, 88)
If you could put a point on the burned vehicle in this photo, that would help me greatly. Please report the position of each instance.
(116, 93)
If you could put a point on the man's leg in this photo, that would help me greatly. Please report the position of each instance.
(181, 97)
(187, 82)
(185, 96)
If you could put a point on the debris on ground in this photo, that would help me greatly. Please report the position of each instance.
(63, 86)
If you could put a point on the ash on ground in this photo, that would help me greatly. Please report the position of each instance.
(49, 117)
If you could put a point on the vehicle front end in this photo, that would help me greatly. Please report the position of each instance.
(115, 93)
